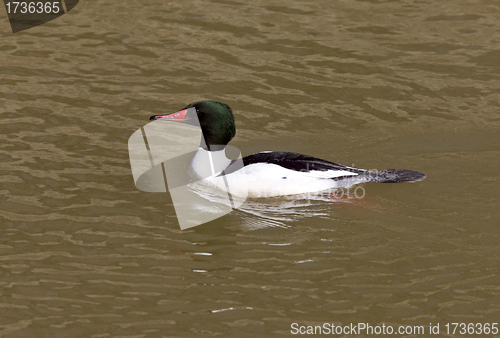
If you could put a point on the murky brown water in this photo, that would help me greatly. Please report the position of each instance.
(377, 84)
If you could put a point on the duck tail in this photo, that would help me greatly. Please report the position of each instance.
(396, 176)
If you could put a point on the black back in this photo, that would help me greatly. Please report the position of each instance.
(297, 162)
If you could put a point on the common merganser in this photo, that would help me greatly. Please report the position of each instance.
(269, 174)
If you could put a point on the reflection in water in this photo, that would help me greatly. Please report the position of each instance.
(258, 213)
(286, 210)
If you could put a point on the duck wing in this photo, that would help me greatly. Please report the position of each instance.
(298, 162)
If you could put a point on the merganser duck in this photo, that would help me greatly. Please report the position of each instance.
(269, 174)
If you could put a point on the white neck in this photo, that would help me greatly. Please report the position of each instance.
(208, 163)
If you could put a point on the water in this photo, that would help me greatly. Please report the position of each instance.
(374, 84)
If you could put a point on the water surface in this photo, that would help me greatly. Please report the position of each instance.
(374, 84)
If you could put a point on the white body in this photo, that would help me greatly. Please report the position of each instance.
(262, 179)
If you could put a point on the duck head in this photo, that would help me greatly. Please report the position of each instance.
(215, 120)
